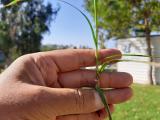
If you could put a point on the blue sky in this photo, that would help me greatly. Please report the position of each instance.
(69, 27)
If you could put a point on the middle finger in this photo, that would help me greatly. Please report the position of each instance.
(87, 78)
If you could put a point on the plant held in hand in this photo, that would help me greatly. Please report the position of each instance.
(95, 39)
(14, 2)
(100, 68)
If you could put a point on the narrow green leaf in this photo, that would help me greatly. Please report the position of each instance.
(102, 68)
(14, 2)
(107, 62)
(99, 90)
(137, 61)
(140, 55)
(104, 65)
(95, 38)
(85, 16)
(96, 35)
(113, 58)
(96, 21)
(104, 100)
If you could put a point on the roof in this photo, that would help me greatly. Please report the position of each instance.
(152, 36)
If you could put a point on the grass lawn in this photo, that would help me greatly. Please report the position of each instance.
(145, 105)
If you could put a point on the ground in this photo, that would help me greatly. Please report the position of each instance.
(145, 105)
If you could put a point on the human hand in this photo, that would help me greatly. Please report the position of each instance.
(48, 86)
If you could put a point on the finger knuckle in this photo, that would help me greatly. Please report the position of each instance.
(80, 100)
(25, 59)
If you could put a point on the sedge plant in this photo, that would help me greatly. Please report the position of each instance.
(100, 68)
(14, 2)
(95, 39)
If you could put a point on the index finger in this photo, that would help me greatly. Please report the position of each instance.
(73, 59)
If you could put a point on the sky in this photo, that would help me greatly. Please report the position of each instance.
(69, 27)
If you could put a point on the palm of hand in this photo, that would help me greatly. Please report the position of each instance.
(32, 83)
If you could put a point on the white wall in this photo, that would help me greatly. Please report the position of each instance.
(140, 71)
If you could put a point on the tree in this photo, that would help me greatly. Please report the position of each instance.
(147, 16)
(5, 42)
(110, 21)
(120, 18)
(26, 24)
(56, 47)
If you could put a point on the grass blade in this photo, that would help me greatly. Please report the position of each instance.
(96, 22)
(89, 22)
(104, 100)
(104, 65)
(95, 38)
(146, 62)
(98, 89)
(113, 58)
(96, 35)
(140, 55)
(14, 2)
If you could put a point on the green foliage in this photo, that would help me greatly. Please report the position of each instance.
(95, 39)
(114, 16)
(121, 17)
(57, 47)
(101, 68)
(14, 2)
(143, 106)
(5, 41)
(26, 23)
(111, 15)
(146, 9)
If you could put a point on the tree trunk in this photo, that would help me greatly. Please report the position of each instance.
(102, 41)
(149, 48)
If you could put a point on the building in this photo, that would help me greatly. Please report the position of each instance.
(139, 71)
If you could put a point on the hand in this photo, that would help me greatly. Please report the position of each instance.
(48, 86)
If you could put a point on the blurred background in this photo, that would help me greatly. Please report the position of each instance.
(132, 26)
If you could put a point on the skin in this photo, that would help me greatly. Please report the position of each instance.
(48, 86)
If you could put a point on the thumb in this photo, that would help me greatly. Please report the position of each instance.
(65, 101)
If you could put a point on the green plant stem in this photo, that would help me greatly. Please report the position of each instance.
(97, 87)
(96, 35)
(104, 100)
(140, 55)
(95, 38)
(87, 19)
(96, 21)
